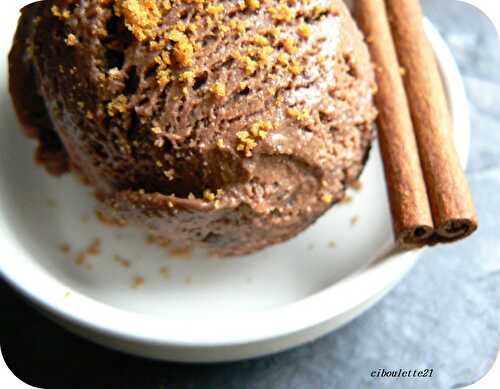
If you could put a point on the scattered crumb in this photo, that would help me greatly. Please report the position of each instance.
(304, 30)
(165, 272)
(141, 17)
(181, 252)
(95, 247)
(125, 263)
(188, 280)
(71, 40)
(218, 89)
(51, 203)
(117, 105)
(109, 221)
(248, 140)
(80, 259)
(163, 242)
(92, 250)
(170, 174)
(347, 200)
(65, 248)
(327, 198)
(138, 282)
(354, 220)
(332, 244)
(66, 295)
(357, 185)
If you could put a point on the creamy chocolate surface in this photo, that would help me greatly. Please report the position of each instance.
(226, 124)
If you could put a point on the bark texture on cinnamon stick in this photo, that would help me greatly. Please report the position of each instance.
(410, 209)
(452, 206)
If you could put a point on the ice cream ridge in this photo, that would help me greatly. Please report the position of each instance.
(229, 125)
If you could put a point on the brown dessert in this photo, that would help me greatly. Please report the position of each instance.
(227, 124)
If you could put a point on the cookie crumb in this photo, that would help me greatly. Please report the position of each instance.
(138, 282)
(346, 200)
(125, 263)
(219, 89)
(163, 242)
(165, 272)
(65, 248)
(354, 220)
(357, 185)
(71, 40)
(181, 252)
(93, 249)
(327, 198)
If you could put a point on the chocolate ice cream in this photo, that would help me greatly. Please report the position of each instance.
(229, 124)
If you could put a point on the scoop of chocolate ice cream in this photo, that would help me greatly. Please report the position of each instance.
(227, 124)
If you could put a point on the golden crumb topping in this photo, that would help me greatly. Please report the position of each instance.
(141, 16)
(219, 89)
(252, 5)
(247, 140)
(71, 40)
(117, 105)
(175, 32)
(327, 198)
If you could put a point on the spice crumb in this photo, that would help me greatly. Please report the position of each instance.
(181, 252)
(327, 198)
(65, 248)
(93, 249)
(347, 199)
(165, 272)
(138, 282)
(125, 263)
(163, 242)
(219, 89)
(71, 40)
(357, 185)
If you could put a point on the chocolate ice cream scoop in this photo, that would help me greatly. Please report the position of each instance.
(226, 124)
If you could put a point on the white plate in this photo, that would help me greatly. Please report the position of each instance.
(207, 309)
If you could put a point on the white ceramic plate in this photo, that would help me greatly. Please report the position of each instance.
(196, 309)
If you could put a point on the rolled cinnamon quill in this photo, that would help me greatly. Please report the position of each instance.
(451, 202)
(410, 209)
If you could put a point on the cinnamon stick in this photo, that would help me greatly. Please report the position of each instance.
(410, 209)
(451, 202)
